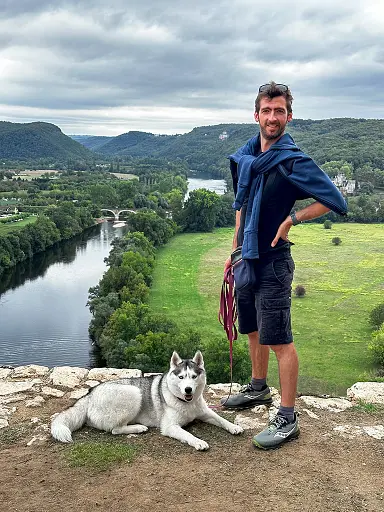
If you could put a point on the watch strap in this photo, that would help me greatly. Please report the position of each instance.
(295, 221)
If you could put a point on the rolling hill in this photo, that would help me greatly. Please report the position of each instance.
(357, 141)
(38, 140)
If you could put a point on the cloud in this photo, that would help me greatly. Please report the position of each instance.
(164, 65)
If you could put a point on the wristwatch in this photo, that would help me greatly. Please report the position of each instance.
(295, 222)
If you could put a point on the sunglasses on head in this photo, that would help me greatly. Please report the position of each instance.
(280, 87)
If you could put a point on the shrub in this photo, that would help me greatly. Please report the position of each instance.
(300, 291)
(376, 347)
(327, 224)
(336, 240)
(377, 315)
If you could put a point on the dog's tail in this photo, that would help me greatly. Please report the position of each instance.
(70, 420)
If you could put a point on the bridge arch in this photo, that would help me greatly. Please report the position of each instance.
(117, 212)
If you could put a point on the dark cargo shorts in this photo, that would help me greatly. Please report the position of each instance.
(267, 307)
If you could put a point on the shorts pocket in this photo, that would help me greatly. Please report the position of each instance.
(275, 321)
(283, 270)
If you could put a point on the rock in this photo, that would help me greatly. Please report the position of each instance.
(11, 388)
(371, 392)
(377, 431)
(11, 399)
(4, 373)
(67, 376)
(5, 411)
(352, 431)
(91, 383)
(31, 370)
(348, 431)
(3, 423)
(104, 374)
(79, 393)
(248, 423)
(311, 414)
(275, 393)
(39, 439)
(35, 402)
(52, 392)
(260, 409)
(224, 388)
(329, 404)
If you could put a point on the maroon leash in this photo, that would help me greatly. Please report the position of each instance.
(228, 315)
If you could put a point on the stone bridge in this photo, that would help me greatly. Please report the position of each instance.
(117, 211)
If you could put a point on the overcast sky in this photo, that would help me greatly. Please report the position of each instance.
(166, 66)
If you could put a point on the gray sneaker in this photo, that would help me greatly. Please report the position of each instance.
(279, 431)
(247, 398)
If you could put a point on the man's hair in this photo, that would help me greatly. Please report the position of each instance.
(273, 90)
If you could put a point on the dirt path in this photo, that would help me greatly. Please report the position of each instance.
(321, 471)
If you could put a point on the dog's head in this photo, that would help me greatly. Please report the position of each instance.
(187, 376)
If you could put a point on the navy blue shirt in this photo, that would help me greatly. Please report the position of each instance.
(279, 196)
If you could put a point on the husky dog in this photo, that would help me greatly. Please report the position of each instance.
(130, 406)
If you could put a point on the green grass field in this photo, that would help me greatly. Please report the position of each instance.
(14, 226)
(330, 323)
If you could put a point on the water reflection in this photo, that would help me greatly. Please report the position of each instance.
(43, 313)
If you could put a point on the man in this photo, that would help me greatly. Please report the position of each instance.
(269, 174)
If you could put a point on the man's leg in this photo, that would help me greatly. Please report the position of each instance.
(274, 319)
(288, 372)
(256, 392)
(259, 356)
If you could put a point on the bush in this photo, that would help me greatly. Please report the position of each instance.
(376, 347)
(377, 316)
(300, 291)
(336, 240)
(327, 224)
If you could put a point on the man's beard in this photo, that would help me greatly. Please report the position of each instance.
(276, 135)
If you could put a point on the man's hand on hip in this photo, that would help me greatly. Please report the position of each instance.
(283, 231)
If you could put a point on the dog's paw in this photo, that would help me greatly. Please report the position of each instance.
(141, 428)
(200, 445)
(236, 429)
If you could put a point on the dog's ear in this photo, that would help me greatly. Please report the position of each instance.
(198, 359)
(175, 360)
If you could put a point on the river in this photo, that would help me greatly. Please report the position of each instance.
(43, 315)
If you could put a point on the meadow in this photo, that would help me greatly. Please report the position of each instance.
(330, 324)
(14, 226)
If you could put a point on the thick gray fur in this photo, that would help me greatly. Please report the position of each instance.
(130, 406)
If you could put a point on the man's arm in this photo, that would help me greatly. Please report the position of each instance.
(312, 211)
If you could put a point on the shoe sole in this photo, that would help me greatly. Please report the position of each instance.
(292, 438)
(247, 406)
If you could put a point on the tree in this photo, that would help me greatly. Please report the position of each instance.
(156, 229)
(200, 211)
(377, 315)
(226, 214)
(327, 224)
(376, 346)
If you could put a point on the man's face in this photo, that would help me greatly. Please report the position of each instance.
(273, 117)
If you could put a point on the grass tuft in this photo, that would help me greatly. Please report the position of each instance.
(366, 407)
(99, 455)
